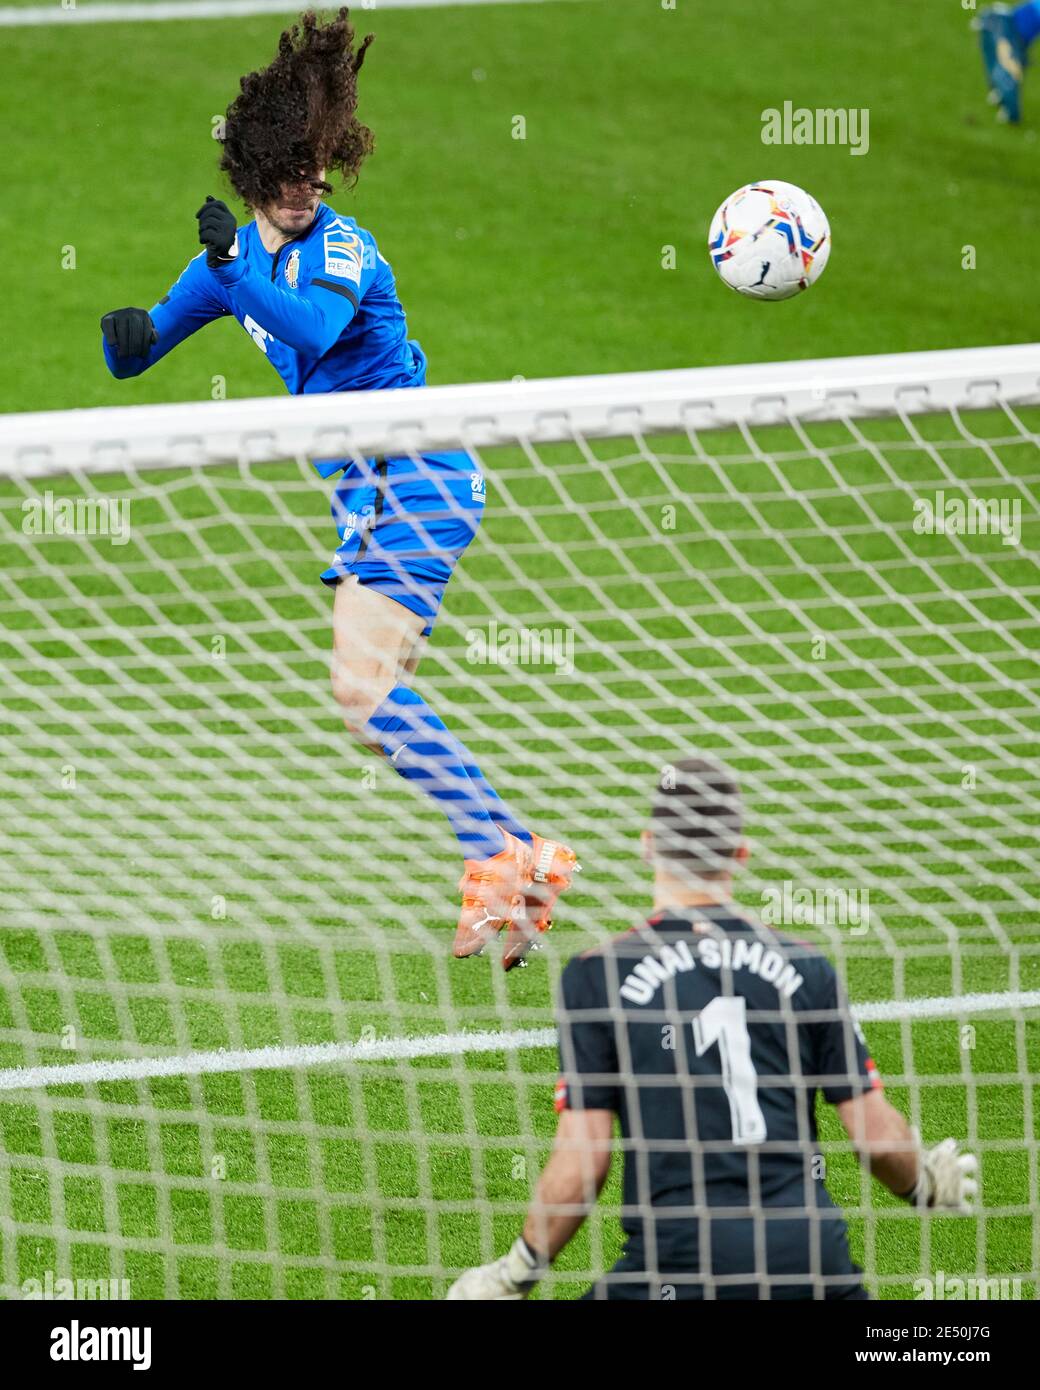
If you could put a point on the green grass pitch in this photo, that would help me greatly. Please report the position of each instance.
(532, 257)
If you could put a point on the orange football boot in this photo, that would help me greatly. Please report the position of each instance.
(552, 867)
(492, 893)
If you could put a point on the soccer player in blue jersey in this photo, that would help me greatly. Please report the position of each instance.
(314, 293)
(1006, 33)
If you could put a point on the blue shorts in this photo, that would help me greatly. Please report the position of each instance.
(403, 522)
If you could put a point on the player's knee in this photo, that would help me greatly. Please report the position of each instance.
(356, 705)
(358, 699)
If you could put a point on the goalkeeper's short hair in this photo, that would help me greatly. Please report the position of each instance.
(697, 819)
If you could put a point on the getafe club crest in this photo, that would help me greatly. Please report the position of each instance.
(292, 268)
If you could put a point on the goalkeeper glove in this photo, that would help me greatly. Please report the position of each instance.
(512, 1277)
(130, 331)
(218, 232)
(944, 1177)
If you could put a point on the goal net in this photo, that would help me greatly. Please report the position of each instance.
(236, 1056)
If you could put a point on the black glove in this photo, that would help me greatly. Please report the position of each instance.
(217, 230)
(130, 331)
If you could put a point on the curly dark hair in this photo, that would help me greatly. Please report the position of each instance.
(297, 115)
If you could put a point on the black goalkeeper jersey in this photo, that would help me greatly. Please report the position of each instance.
(709, 1036)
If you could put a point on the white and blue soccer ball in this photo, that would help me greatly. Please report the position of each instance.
(769, 240)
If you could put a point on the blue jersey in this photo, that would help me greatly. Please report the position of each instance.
(323, 308)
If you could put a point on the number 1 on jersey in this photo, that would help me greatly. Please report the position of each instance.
(724, 1021)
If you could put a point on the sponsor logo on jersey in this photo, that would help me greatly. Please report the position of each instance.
(292, 268)
(477, 486)
(343, 253)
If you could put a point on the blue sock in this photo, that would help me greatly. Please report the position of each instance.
(1027, 20)
(493, 803)
(422, 750)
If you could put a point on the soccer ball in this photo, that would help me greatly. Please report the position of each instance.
(769, 240)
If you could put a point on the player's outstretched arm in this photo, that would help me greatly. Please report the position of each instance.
(129, 336)
(940, 1177)
(135, 339)
(566, 1192)
(310, 321)
(571, 1180)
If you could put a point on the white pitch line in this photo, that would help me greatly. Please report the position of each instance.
(148, 11)
(271, 1058)
(892, 1010)
(432, 1045)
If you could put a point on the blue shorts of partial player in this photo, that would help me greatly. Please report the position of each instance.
(403, 522)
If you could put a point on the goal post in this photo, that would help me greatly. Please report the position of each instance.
(823, 573)
(359, 424)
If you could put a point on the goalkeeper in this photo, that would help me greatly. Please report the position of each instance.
(314, 293)
(708, 1036)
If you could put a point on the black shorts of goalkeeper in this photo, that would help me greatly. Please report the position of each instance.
(795, 1256)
